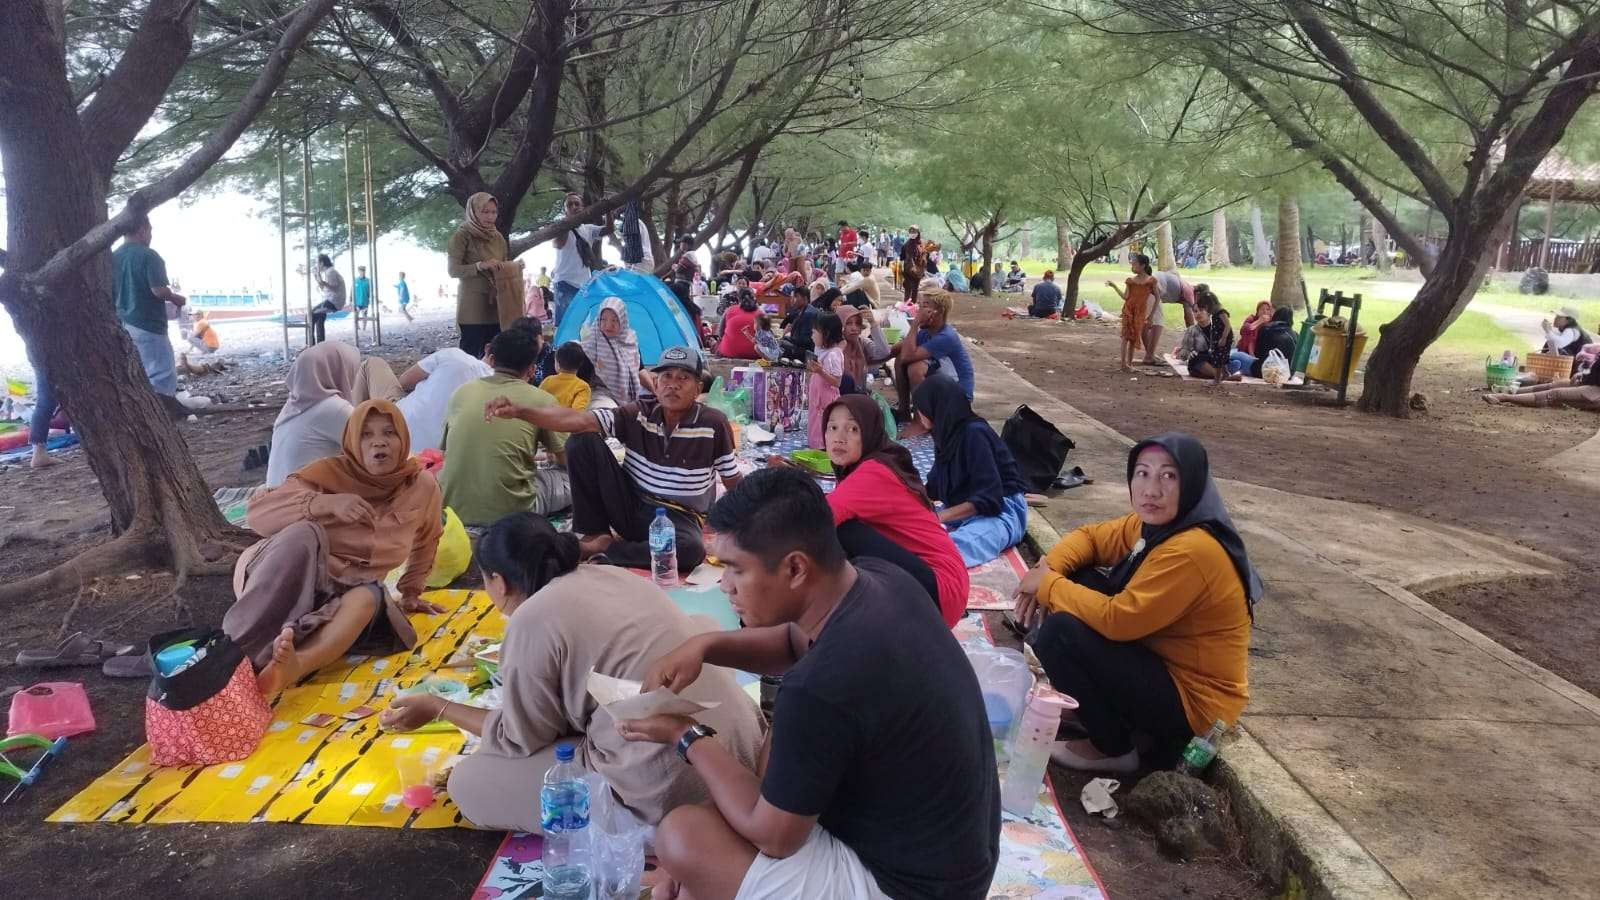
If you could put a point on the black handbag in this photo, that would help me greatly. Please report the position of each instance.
(1039, 448)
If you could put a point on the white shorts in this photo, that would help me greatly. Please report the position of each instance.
(822, 867)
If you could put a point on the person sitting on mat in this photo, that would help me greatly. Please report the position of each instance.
(973, 474)
(562, 621)
(1160, 646)
(325, 383)
(313, 588)
(489, 468)
(881, 508)
(613, 346)
(931, 348)
(432, 382)
(677, 450)
(1278, 334)
(1581, 393)
(879, 776)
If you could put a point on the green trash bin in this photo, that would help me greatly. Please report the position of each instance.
(1302, 347)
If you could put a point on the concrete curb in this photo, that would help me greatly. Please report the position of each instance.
(1288, 834)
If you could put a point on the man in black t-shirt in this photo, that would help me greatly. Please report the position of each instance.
(879, 774)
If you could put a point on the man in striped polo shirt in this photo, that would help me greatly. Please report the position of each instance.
(677, 450)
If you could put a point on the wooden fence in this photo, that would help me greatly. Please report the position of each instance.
(1571, 258)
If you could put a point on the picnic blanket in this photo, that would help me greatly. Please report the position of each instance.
(1039, 855)
(53, 443)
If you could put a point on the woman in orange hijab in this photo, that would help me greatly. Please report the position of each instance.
(313, 588)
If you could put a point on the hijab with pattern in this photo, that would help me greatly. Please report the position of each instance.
(616, 360)
(347, 473)
(328, 369)
(1199, 506)
(875, 444)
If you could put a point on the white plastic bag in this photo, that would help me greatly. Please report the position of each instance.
(1276, 369)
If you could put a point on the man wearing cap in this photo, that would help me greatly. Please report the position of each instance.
(931, 349)
(677, 450)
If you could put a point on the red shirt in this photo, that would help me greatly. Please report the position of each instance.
(847, 241)
(874, 495)
(734, 343)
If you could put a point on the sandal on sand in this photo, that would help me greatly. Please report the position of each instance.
(77, 650)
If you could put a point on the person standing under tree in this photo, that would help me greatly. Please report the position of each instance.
(332, 284)
(577, 256)
(361, 294)
(476, 252)
(403, 291)
(142, 295)
(1135, 307)
(912, 260)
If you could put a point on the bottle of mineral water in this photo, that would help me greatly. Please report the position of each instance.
(564, 816)
(663, 550)
(1202, 750)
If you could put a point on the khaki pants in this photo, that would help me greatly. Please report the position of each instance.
(375, 381)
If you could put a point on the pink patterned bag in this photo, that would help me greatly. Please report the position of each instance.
(208, 710)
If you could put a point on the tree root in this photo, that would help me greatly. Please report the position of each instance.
(131, 548)
(143, 544)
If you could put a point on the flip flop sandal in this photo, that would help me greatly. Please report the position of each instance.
(77, 650)
(127, 667)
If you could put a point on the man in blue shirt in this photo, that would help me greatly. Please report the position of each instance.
(1046, 299)
(141, 292)
(403, 291)
(933, 349)
(361, 294)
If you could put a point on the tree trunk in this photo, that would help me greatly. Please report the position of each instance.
(1166, 261)
(1219, 239)
(988, 261)
(1064, 251)
(1380, 243)
(1287, 289)
(161, 508)
(1308, 248)
(1260, 253)
(1075, 267)
(1026, 241)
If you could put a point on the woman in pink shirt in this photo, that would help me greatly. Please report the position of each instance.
(881, 508)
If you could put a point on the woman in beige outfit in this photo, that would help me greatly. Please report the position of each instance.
(566, 619)
(478, 261)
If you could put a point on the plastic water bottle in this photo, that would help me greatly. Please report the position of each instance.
(663, 550)
(1030, 752)
(564, 816)
(1202, 750)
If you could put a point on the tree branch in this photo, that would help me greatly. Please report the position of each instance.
(100, 237)
(133, 90)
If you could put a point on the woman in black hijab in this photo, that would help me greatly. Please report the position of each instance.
(973, 474)
(1145, 619)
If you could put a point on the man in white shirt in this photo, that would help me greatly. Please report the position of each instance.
(572, 270)
(761, 253)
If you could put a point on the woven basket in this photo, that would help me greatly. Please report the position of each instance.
(1548, 367)
(1501, 376)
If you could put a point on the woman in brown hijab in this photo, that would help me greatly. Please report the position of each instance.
(478, 261)
(334, 529)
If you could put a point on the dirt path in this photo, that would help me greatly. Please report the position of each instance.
(1524, 322)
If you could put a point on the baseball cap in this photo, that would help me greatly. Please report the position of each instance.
(680, 357)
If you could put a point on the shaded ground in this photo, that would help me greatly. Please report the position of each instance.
(52, 514)
(1462, 462)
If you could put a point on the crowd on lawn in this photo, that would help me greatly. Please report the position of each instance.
(877, 775)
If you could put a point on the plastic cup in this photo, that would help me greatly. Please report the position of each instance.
(416, 778)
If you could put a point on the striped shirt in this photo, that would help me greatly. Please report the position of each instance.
(679, 468)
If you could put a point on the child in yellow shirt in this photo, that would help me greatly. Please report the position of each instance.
(574, 375)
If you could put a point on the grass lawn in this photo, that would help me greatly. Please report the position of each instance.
(1474, 334)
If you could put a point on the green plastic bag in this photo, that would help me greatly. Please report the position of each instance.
(734, 404)
(889, 427)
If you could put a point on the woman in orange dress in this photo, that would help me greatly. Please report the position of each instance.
(1135, 306)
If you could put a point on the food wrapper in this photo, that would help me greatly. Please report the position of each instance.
(623, 700)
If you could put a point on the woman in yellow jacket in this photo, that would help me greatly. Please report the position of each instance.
(1158, 645)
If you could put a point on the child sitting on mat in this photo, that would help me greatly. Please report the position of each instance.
(574, 379)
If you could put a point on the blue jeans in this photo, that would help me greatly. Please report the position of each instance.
(44, 409)
(982, 538)
(155, 352)
(565, 291)
(1240, 361)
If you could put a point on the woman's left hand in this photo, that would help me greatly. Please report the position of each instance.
(813, 367)
(411, 712)
(419, 605)
(659, 729)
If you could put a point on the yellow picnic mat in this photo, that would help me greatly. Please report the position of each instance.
(342, 773)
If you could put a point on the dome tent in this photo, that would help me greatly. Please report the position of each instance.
(653, 312)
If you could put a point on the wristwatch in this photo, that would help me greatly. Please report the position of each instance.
(695, 733)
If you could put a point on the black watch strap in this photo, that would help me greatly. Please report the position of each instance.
(695, 733)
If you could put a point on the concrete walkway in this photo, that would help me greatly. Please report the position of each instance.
(1414, 755)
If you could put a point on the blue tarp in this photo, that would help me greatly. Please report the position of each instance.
(654, 312)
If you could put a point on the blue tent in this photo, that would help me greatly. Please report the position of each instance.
(654, 312)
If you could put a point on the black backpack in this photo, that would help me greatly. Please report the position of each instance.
(1038, 446)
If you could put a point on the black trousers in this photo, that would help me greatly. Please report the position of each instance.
(1122, 688)
(605, 499)
(476, 337)
(861, 539)
(319, 321)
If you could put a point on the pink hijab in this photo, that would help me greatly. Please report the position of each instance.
(328, 369)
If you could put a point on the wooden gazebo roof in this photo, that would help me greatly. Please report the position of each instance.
(1561, 179)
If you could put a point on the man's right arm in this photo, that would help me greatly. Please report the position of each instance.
(762, 651)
